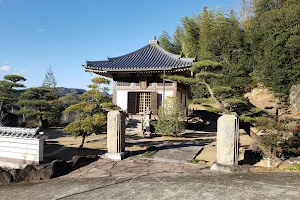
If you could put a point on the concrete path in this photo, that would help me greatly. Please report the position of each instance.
(163, 185)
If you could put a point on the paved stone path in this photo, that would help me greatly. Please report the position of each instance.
(184, 153)
(133, 167)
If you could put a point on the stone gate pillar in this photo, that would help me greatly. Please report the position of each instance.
(115, 135)
(227, 141)
(146, 123)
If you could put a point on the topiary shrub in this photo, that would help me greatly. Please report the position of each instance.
(171, 117)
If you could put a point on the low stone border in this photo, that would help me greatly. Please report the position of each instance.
(34, 173)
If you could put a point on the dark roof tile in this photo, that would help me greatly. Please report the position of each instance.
(20, 132)
(150, 57)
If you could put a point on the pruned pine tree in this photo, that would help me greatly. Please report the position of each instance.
(211, 35)
(38, 102)
(91, 110)
(8, 93)
(49, 80)
(208, 73)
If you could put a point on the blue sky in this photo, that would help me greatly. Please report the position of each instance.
(36, 34)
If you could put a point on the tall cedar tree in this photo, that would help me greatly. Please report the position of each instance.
(49, 80)
(177, 43)
(8, 93)
(91, 111)
(190, 36)
(54, 116)
(274, 32)
(165, 41)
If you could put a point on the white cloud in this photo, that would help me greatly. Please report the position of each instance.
(7, 68)
(40, 29)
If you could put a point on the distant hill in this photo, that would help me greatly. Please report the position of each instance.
(62, 91)
(75, 91)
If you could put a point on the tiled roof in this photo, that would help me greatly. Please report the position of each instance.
(20, 132)
(150, 57)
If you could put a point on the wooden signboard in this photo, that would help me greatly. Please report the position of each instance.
(143, 84)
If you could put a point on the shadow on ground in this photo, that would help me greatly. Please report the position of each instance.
(250, 158)
(55, 151)
(166, 144)
(54, 133)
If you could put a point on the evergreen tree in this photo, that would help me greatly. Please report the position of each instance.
(177, 37)
(91, 110)
(274, 33)
(54, 115)
(206, 28)
(171, 117)
(49, 80)
(165, 42)
(246, 12)
(207, 73)
(8, 93)
(39, 102)
(190, 36)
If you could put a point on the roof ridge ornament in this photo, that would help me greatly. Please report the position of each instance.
(153, 41)
(182, 55)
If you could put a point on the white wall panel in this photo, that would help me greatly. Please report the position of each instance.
(20, 156)
(20, 150)
(122, 97)
(19, 140)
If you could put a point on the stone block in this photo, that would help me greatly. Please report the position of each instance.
(115, 135)
(116, 156)
(227, 140)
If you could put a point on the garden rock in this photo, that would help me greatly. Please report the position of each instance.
(289, 163)
(59, 168)
(80, 161)
(14, 173)
(5, 177)
(294, 142)
(47, 171)
(27, 174)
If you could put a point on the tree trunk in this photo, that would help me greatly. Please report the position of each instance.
(276, 116)
(1, 106)
(267, 153)
(214, 98)
(40, 121)
(82, 141)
